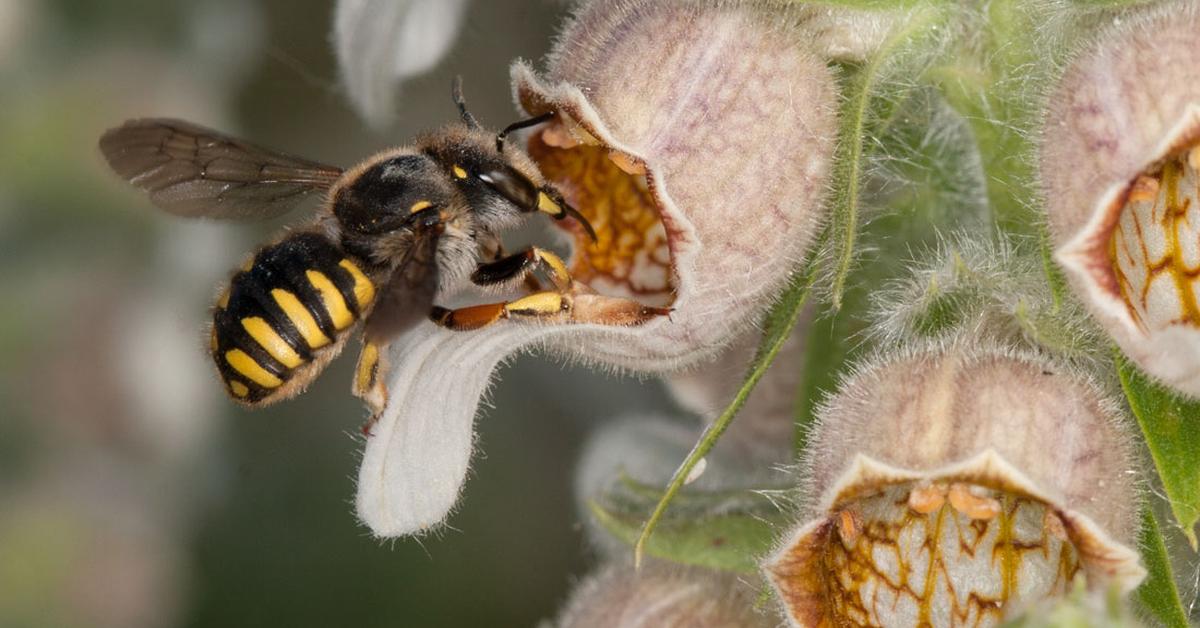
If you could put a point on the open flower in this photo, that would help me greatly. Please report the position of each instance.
(696, 138)
(1121, 176)
(955, 484)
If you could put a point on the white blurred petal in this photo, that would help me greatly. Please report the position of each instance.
(416, 458)
(379, 43)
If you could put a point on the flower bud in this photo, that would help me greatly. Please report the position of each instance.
(1120, 164)
(662, 594)
(954, 485)
(695, 137)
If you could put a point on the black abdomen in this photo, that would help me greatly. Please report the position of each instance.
(284, 310)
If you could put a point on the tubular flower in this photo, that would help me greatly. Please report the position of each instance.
(662, 594)
(1120, 163)
(955, 485)
(695, 137)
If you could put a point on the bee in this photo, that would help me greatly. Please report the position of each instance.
(392, 232)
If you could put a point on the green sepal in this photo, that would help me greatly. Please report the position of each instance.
(727, 530)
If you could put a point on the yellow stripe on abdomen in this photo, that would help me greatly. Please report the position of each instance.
(244, 364)
(334, 303)
(269, 339)
(238, 389)
(301, 318)
(364, 290)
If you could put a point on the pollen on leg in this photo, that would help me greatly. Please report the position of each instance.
(540, 304)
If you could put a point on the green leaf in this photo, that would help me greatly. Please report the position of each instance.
(727, 530)
(1158, 594)
(1171, 426)
(778, 326)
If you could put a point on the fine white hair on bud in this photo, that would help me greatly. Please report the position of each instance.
(957, 483)
(704, 181)
(989, 287)
(1120, 167)
(662, 594)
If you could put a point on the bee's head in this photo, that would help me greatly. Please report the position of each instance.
(508, 176)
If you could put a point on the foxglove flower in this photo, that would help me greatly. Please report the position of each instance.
(662, 594)
(955, 484)
(703, 178)
(1120, 163)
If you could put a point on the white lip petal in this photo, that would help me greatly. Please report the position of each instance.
(379, 43)
(416, 458)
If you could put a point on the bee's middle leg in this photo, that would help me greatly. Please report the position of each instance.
(537, 305)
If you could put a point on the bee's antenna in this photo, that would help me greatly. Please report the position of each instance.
(457, 94)
(522, 124)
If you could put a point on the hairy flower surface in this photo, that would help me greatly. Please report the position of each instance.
(953, 485)
(703, 180)
(1120, 161)
(662, 594)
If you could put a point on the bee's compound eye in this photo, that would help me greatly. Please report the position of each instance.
(512, 186)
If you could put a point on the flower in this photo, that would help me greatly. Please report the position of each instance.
(704, 180)
(1120, 165)
(662, 594)
(381, 43)
(954, 484)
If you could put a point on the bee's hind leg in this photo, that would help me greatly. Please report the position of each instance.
(369, 376)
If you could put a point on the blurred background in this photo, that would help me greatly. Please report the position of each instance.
(132, 493)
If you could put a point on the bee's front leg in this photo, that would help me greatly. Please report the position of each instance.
(522, 265)
(369, 376)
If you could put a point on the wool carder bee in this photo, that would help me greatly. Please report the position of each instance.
(392, 233)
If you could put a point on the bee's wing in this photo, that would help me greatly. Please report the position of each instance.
(189, 170)
(409, 292)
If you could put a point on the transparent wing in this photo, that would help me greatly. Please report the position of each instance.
(190, 170)
(407, 298)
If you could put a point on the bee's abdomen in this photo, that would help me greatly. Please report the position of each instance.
(284, 310)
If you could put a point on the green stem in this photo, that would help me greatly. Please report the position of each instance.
(780, 323)
(848, 169)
